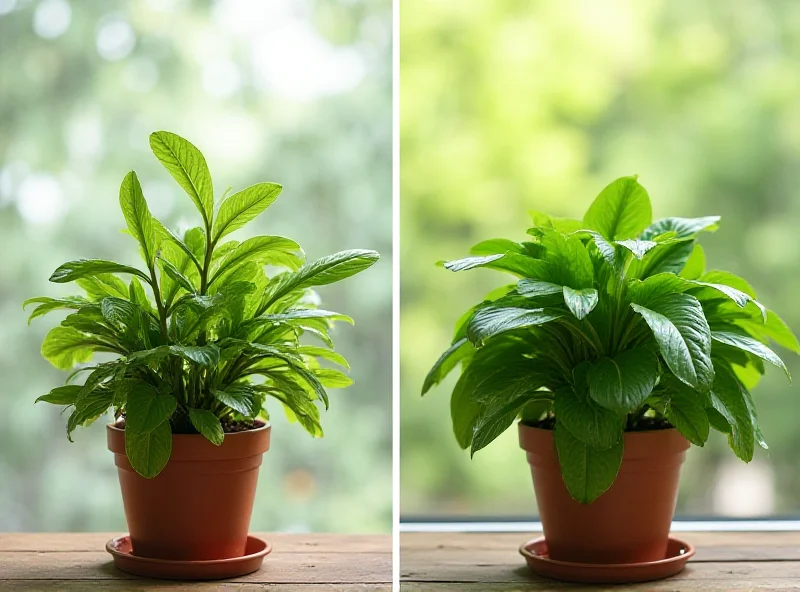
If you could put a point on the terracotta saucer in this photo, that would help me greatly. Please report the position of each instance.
(214, 569)
(535, 553)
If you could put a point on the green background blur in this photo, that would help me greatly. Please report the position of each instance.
(511, 105)
(297, 92)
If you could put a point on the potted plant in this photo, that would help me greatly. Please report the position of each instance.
(615, 349)
(199, 339)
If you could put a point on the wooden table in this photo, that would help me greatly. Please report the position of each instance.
(298, 563)
(436, 562)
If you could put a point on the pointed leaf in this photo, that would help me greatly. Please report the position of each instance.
(188, 167)
(461, 349)
(149, 452)
(90, 267)
(639, 248)
(264, 250)
(62, 395)
(621, 211)
(138, 216)
(241, 207)
(748, 344)
(146, 409)
(580, 302)
(683, 228)
(534, 288)
(587, 472)
(622, 383)
(491, 321)
(207, 424)
(238, 397)
(590, 423)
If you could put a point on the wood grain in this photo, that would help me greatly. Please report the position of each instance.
(447, 562)
(298, 563)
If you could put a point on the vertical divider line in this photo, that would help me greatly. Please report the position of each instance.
(396, 295)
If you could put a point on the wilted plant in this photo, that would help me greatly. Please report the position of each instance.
(614, 325)
(219, 334)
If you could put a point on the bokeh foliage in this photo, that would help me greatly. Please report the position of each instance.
(508, 106)
(75, 115)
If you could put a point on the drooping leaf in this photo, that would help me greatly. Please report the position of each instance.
(684, 409)
(727, 397)
(639, 248)
(498, 417)
(587, 472)
(149, 452)
(321, 352)
(680, 228)
(492, 320)
(622, 383)
(668, 257)
(330, 378)
(241, 207)
(81, 268)
(207, 424)
(683, 337)
(138, 216)
(146, 409)
(773, 328)
(461, 349)
(64, 347)
(595, 426)
(326, 270)
(188, 167)
(46, 305)
(748, 344)
(238, 397)
(621, 211)
(62, 395)
(580, 302)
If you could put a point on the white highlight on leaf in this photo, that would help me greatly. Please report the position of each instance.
(52, 18)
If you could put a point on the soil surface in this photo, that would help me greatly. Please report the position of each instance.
(228, 426)
(640, 424)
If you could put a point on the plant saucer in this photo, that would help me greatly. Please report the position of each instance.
(535, 553)
(213, 569)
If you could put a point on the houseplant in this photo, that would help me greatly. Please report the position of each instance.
(200, 339)
(615, 349)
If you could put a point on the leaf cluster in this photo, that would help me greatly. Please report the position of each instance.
(206, 331)
(612, 323)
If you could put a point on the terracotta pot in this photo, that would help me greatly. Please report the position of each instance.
(630, 522)
(199, 506)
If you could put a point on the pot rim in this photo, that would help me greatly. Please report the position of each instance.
(195, 447)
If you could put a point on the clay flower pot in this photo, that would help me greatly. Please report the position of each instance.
(199, 506)
(630, 522)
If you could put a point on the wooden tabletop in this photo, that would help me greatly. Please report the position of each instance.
(450, 562)
(66, 562)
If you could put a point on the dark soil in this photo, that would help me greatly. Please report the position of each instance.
(228, 426)
(640, 424)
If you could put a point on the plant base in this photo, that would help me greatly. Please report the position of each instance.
(122, 552)
(535, 553)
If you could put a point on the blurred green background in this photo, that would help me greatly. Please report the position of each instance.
(292, 91)
(511, 105)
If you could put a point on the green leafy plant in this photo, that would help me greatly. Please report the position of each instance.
(613, 325)
(221, 332)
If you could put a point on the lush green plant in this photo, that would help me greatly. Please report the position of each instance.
(613, 326)
(220, 334)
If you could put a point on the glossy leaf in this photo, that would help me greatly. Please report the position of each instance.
(81, 268)
(140, 221)
(622, 383)
(207, 424)
(491, 321)
(587, 472)
(149, 452)
(621, 211)
(238, 209)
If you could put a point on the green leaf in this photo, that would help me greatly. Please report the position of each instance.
(663, 258)
(321, 352)
(146, 409)
(662, 285)
(264, 250)
(207, 424)
(330, 378)
(568, 261)
(471, 262)
(683, 337)
(593, 425)
(88, 409)
(773, 328)
(188, 167)
(238, 397)
(50, 304)
(62, 395)
(587, 472)
(138, 295)
(639, 248)
(327, 270)
(684, 409)
(176, 276)
(498, 418)
(460, 350)
(497, 246)
(622, 383)
(241, 207)
(683, 228)
(536, 288)
(149, 452)
(621, 211)
(748, 344)
(64, 347)
(203, 355)
(580, 302)
(91, 267)
(493, 320)
(99, 286)
(138, 216)
(727, 397)
(695, 264)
